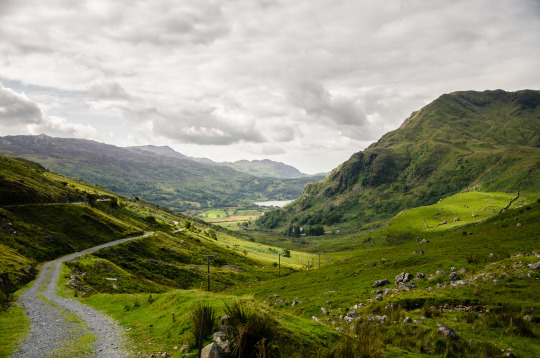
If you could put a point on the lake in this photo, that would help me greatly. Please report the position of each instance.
(280, 203)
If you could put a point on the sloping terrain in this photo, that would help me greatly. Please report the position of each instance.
(260, 168)
(464, 141)
(171, 181)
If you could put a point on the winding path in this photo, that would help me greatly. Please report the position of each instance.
(63, 326)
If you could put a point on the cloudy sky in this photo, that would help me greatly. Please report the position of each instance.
(304, 82)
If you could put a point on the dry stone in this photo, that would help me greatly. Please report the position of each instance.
(379, 283)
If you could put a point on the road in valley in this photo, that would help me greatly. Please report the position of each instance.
(61, 326)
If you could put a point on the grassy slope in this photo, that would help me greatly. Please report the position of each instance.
(172, 182)
(464, 141)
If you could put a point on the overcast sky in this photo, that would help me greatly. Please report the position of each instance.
(304, 82)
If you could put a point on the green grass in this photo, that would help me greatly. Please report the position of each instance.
(150, 320)
(14, 325)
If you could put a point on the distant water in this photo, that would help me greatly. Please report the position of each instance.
(280, 203)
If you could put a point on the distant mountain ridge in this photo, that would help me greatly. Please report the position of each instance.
(260, 168)
(166, 179)
(463, 141)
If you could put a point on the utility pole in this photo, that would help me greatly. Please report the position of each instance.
(208, 263)
(279, 265)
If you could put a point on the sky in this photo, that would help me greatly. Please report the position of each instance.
(304, 82)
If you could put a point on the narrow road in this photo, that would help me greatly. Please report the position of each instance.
(63, 327)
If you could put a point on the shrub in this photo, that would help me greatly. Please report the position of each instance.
(197, 321)
(250, 332)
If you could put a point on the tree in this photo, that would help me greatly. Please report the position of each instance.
(286, 253)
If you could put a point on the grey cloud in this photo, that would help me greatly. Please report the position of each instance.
(16, 109)
(315, 100)
(108, 90)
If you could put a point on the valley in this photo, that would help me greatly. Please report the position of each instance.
(424, 244)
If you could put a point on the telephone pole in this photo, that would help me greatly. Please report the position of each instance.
(208, 263)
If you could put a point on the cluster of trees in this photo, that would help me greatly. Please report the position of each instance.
(310, 230)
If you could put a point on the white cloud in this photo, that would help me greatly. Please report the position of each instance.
(17, 108)
(254, 76)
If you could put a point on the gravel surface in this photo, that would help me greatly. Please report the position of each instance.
(52, 329)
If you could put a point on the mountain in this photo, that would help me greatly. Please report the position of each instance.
(260, 168)
(463, 141)
(168, 180)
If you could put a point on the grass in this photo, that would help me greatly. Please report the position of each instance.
(14, 326)
(152, 320)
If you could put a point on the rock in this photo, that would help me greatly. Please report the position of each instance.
(407, 320)
(535, 266)
(528, 318)
(440, 272)
(352, 314)
(275, 295)
(223, 320)
(323, 310)
(294, 303)
(463, 271)
(418, 252)
(380, 283)
(518, 224)
(175, 348)
(420, 275)
(447, 332)
(315, 319)
(403, 277)
(213, 350)
(219, 336)
(456, 220)
(164, 355)
(453, 276)
(378, 298)
(424, 241)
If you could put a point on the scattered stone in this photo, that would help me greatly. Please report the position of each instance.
(352, 314)
(219, 336)
(213, 350)
(323, 310)
(454, 276)
(424, 241)
(294, 303)
(535, 266)
(447, 332)
(164, 355)
(420, 275)
(460, 283)
(440, 272)
(275, 295)
(518, 224)
(315, 319)
(418, 252)
(378, 298)
(379, 283)
(223, 320)
(453, 268)
(175, 348)
(327, 292)
(456, 220)
(463, 271)
(407, 320)
(403, 277)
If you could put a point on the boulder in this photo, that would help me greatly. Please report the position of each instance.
(213, 350)
(403, 277)
(453, 276)
(379, 283)
(463, 271)
(447, 332)
(220, 336)
(535, 266)
(420, 275)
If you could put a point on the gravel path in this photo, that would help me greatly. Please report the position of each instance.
(63, 326)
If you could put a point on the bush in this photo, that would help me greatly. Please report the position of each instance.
(197, 320)
(250, 332)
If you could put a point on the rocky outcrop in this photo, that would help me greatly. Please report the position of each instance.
(380, 283)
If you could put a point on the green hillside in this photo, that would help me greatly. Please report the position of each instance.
(154, 175)
(465, 141)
